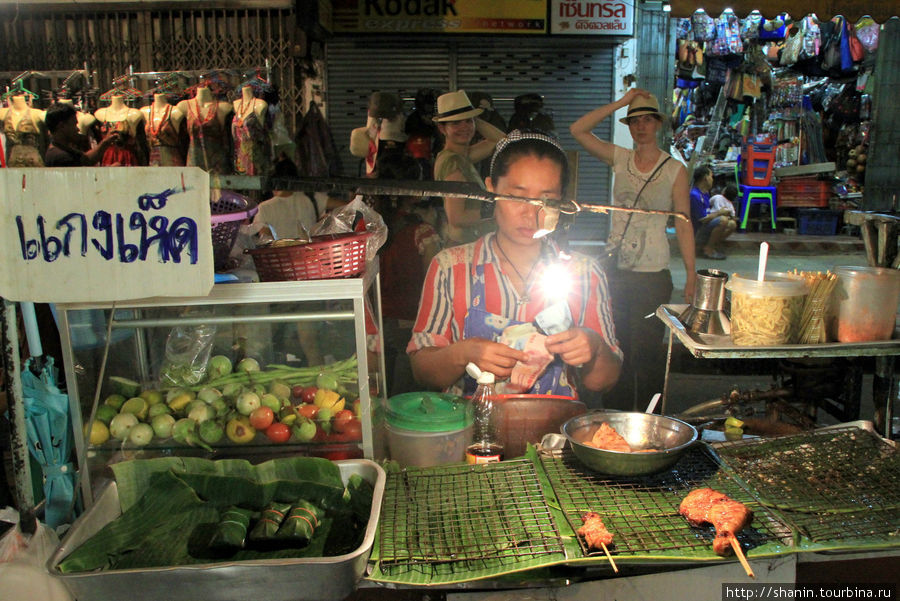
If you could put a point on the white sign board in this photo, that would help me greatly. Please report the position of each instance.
(592, 17)
(102, 234)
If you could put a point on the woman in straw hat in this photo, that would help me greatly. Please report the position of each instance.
(456, 121)
(648, 178)
(477, 294)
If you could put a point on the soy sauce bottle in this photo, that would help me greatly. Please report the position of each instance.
(485, 447)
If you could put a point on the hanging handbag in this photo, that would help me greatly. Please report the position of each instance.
(609, 259)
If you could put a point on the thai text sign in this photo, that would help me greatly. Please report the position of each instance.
(104, 234)
(592, 17)
(440, 16)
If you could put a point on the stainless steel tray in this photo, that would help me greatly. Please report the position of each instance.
(721, 347)
(306, 579)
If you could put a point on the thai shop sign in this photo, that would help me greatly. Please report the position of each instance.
(440, 16)
(104, 234)
(592, 17)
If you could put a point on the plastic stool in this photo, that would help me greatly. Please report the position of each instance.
(757, 195)
(759, 160)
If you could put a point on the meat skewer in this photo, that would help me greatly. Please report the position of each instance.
(708, 506)
(596, 535)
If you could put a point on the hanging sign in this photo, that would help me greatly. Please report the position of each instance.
(440, 16)
(592, 17)
(104, 234)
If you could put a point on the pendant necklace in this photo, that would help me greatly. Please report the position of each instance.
(524, 298)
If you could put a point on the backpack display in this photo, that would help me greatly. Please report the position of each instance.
(728, 35)
(703, 26)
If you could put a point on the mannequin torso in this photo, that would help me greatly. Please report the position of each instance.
(252, 146)
(120, 117)
(26, 137)
(163, 128)
(207, 120)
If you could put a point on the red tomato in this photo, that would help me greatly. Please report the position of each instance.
(262, 417)
(278, 432)
(346, 454)
(353, 431)
(308, 394)
(308, 411)
(341, 419)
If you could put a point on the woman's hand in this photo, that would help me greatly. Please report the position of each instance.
(575, 346)
(633, 93)
(495, 357)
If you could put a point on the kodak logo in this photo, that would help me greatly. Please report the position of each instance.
(410, 8)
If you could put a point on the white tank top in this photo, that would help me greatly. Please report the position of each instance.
(645, 247)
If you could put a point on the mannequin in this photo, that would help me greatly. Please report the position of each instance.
(26, 136)
(86, 124)
(163, 128)
(249, 130)
(207, 123)
(130, 150)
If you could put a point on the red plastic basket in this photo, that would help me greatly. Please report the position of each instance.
(326, 257)
(226, 215)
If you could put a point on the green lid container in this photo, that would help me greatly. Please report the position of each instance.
(428, 412)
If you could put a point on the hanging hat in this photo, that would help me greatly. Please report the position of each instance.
(642, 105)
(455, 106)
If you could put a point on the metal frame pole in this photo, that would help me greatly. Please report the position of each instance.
(16, 401)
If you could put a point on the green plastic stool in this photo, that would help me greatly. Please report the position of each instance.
(754, 194)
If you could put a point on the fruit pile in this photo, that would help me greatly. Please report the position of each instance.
(240, 404)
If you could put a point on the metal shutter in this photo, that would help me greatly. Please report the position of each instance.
(574, 76)
(357, 67)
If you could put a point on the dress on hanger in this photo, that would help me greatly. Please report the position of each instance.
(252, 147)
(163, 140)
(124, 152)
(209, 140)
(24, 142)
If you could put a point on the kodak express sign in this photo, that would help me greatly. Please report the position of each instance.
(440, 16)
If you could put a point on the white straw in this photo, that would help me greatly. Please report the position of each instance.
(763, 257)
(653, 402)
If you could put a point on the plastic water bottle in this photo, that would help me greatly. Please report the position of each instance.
(485, 446)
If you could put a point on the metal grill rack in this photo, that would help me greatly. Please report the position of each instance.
(455, 520)
(832, 485)
(642, 512)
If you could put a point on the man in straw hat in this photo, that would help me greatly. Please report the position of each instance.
(646, 178)
(456, 121)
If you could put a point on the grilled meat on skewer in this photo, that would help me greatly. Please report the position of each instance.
(705, 505)
(607, 438)
(594, 532)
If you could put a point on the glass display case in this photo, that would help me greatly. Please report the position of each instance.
(196, 374)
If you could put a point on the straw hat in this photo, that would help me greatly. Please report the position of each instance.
(455, 106)
(642, 105)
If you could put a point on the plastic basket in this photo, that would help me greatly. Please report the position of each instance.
(804, 192)
(817, 222)
(226, 215)
(326, 257)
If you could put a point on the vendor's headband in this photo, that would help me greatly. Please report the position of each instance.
(518, 135)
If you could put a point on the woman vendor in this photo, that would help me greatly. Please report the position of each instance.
(474, 292)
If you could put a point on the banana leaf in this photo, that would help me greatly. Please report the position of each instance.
(236, 481)
(150, 532)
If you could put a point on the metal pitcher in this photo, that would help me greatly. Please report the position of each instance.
(706, 315)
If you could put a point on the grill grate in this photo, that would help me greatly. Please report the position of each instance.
(459, 519)
(832, 485)
(642, 512)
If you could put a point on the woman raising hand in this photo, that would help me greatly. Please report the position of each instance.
(646, 178)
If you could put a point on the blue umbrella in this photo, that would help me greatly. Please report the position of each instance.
(48, 427)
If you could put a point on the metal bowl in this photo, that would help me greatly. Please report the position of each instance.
(668, 438)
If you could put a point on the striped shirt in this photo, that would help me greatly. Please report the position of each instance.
(447, 291)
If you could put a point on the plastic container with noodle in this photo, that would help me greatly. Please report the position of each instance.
(765, 313)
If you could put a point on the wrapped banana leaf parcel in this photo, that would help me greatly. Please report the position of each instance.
(269, 521)
(173, 506)
(231, 531)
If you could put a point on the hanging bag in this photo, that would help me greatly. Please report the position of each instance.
(790, 54)
(812, 37)
(609, 260)
(703, 26)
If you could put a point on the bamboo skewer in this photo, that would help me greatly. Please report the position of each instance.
(609, 557)
(740, 555)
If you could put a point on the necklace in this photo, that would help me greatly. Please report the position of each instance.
(154, 131)
(524, 298)
(212, 111)
(243, 113)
